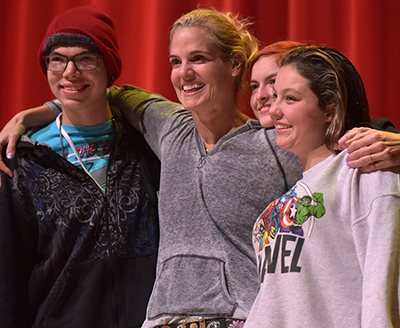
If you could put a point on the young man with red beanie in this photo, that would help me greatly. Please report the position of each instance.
(78, 222)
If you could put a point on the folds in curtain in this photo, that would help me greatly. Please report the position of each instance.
(364, 30)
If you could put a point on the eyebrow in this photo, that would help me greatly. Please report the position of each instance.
(291, 89)
(195, 52)
(81, 53)
(287, 90)
(268, 77)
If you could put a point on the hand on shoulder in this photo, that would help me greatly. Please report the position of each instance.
(371, 150)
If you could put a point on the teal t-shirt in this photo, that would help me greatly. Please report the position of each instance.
(93, 144)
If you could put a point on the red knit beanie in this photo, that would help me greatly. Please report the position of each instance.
(84, 26)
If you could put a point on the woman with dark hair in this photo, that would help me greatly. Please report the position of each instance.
(372, 146)
(328, 250)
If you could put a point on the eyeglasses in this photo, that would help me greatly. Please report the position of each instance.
(84, 62)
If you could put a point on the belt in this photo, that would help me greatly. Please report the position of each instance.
(200, 322)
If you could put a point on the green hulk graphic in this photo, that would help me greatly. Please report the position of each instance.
(305, 209)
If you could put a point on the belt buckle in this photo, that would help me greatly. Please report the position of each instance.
(193, 321)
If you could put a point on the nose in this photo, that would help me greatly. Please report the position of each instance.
(260, 95)
(70, 70)
(275, 110)
(264, 93)
(186, 70)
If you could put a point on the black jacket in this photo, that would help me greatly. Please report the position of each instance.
(381, 123)
(71, 256)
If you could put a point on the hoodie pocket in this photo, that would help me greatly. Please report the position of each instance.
(191, 285)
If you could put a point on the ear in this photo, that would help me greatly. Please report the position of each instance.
(330, 112)
(237, 64)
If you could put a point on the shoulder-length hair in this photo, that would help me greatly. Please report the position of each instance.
(336, 83)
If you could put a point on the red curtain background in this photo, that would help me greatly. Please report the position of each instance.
(367, 31)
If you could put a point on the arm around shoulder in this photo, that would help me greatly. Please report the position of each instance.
(370, 149)
(12, 131)
(133, 102)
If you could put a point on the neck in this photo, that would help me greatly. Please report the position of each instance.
(213, 126)
(314, 157)
(81, 117)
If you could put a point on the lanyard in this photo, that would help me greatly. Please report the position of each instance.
(67, 137)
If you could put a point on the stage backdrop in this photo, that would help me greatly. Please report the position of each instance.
(367, 31)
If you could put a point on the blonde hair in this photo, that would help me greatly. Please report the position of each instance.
(227, 32)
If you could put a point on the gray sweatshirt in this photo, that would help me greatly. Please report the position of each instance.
(207, 207)
(328, 251)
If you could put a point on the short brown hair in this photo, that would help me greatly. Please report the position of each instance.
(335, 81)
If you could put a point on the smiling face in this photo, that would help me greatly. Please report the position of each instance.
(299, 122)
(79, 90)
(262, 80)
(202, 80)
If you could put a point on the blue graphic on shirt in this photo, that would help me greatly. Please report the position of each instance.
(93, 144)
(280, 231)
(288, 214)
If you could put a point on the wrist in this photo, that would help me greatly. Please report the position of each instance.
(19, 121)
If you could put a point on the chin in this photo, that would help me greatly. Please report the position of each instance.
(72, 104)
(192, 106)
(256, 114)
(281, 143)
(266, 122)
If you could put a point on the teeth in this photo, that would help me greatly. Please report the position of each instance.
(192, 87)
(73, 88)
(280, 126)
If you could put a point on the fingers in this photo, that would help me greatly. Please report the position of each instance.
(375, 167)
(10, 140)
(10, 152)
(341, 145)
(4, 168)
(342, 142)
(372, 150)
(370, 159)
(364, 138)
(362, 153)
(12, 145)
(362, 161)
(351, 136)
